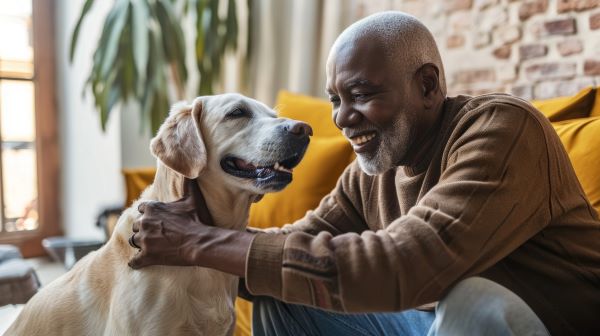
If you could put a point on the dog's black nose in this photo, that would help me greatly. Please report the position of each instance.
(298, 128)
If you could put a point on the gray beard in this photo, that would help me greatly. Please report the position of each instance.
(391, 150)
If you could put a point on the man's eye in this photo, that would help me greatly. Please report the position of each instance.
(359, 96)
(334, 100)
(237, 113)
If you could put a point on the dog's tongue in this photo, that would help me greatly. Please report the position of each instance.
(241, 164)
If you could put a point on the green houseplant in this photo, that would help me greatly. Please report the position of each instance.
(141, 52)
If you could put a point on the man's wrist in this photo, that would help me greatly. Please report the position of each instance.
(224, 250)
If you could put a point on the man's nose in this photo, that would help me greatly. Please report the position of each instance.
(346, 116)
(298, 128)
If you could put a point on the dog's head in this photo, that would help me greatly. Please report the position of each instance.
(237, 139)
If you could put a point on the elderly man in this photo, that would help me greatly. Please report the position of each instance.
(470, 202)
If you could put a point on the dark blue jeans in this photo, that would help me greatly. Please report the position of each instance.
(475, 306)
(272, 317)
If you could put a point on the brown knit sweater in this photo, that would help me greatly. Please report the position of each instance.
(496, 196)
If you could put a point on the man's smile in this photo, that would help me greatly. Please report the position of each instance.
(364, 142)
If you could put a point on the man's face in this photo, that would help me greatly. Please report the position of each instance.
(373, 104)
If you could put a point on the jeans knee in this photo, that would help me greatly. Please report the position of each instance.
(476, 297)
(481, 305)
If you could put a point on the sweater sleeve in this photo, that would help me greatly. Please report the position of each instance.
(491, 197)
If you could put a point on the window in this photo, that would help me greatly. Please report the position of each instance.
(29, 147)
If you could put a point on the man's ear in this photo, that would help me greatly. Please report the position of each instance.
(429, 76)
(178, 143)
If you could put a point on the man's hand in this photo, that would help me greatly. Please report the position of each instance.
(167, 233)
(181, 233)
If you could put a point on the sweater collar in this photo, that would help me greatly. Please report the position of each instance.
(449, 108)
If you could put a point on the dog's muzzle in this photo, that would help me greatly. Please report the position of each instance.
(276, 173)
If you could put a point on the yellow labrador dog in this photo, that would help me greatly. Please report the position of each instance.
(237, 150)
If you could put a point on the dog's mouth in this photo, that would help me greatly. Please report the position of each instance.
(277, 174)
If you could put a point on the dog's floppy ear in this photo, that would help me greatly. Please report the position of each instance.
(178, 144)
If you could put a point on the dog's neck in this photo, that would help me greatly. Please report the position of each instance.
(229, 207)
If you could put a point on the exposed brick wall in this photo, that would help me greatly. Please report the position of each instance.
(532, 48)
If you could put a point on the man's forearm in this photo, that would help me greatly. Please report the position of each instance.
(226, 251)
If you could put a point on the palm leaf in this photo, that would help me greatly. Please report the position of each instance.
(86, 8)
(112, 42)
(103, 99)
(139, 34)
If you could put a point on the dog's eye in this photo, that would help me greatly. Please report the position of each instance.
(237, 113)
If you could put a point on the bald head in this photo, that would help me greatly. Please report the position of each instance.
(405, 42)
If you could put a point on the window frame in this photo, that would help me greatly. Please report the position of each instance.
(46, 132)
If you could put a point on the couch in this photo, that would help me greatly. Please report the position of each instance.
(576, 119)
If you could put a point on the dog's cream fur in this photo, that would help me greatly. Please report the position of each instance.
(101, 295)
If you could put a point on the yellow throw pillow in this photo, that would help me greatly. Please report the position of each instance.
(581, 138)
(314, 111)
(596, 108)
(136, 180)
(564, 108)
